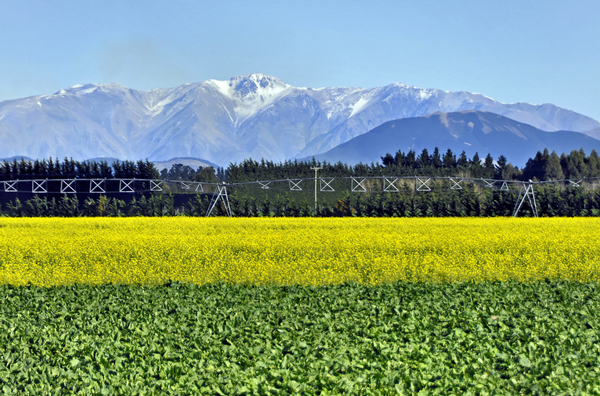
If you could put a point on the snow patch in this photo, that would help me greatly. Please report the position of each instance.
(87, 91)
(358, 106)
(424, 94)
(222, 87)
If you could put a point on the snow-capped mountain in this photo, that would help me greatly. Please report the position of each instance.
(254, 115)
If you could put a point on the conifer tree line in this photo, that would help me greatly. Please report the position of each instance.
(69, 168)
(552, 200)
(543, 166)
(185, 172)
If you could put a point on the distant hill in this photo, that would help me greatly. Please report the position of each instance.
(16, 157)
(193, 163)
(471, 131)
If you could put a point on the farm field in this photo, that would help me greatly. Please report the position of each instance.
(295, 251)
(450, 306)
(500, 338)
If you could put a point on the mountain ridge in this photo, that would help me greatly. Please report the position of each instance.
(469, 130)
(253, 115)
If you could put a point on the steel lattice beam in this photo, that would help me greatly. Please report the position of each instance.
(11, 186)
(357, 185)
(155, 186)
(126, 186)
(422, 185)
(575, 183)
(455, 184)
(38, 186)
(325, 185)
(67, 187)
(295, 186)
(390, 185)
(97, 187)
(487, 183)
(264, 185)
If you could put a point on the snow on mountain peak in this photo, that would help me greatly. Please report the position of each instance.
(83, 89)
(249, 87)
(251, 92)
(256, 84)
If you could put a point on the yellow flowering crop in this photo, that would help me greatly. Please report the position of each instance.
(284, 251)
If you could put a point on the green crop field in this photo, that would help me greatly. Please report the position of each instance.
(495, 338)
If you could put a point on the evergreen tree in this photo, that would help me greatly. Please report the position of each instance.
(388, 160)
(501, 165)
(436, 160)
(410, 160)
(552, 169)
(424, 160)
(463, 161)
(449, 160)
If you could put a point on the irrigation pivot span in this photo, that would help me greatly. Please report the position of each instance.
(354, 184)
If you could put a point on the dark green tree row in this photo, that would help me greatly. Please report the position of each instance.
(549, 166)
(399, 164)
(71, 206)
(437, 164)
(71, 169)
(543, 166)
(251, 170)
(551, 200)
(186, 172)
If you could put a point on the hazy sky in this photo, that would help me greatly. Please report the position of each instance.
(513, 51)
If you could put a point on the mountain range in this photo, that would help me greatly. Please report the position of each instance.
(254, 115)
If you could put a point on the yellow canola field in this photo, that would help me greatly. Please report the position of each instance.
(284, 251)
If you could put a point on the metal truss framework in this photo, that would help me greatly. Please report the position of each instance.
(97, 187)
(264, 185)
(157, 186)
(422, 184)
(455, 184)
(68, 187)
(10, 186)
(295, 185)
(362, 184)
(389, 184)
(221, 193)
(38, 186)
(357, 184)
(125, 186)
(526, 192)
(325, 185)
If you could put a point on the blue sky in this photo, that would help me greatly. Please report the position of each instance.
(512, 51)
